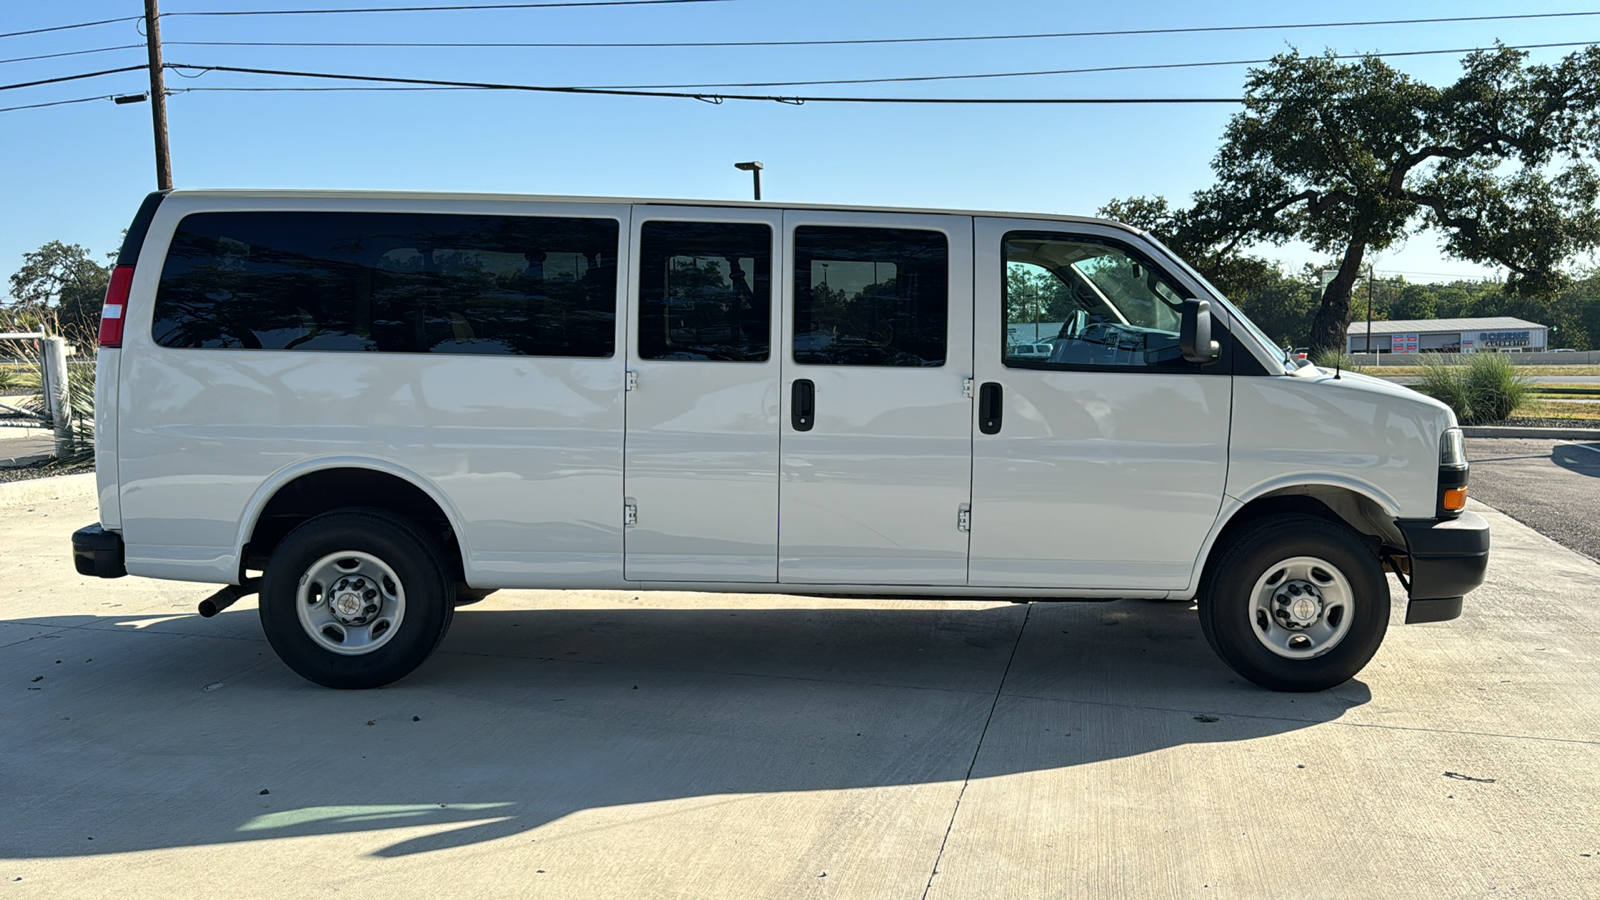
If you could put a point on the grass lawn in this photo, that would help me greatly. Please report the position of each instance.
(1401, 371)
(1545, 409)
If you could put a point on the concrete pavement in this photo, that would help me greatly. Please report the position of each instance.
(696, 746)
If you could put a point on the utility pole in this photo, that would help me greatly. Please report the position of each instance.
(1370, 274)
(158, 95)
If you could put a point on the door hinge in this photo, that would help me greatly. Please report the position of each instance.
(630, 513)
(964, 519)
(633, 381)
(966, 388)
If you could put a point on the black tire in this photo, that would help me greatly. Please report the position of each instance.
(423, 588)
(1240, 630)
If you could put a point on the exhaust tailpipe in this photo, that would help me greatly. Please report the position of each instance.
(226, 597)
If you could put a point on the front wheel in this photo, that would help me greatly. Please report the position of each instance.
(1295, 603)
(356, 598)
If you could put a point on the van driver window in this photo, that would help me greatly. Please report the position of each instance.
(1077, 302)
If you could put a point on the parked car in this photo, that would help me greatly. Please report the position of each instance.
(372, 407)
(1040, 350)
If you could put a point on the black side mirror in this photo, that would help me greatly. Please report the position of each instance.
(1194, 333)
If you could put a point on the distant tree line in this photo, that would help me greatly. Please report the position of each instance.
(1285, 304)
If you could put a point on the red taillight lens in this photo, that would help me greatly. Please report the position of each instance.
(111, 315)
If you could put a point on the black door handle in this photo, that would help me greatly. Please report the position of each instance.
(803, 405)
(991, 403)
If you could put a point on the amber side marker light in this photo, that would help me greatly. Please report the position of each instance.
(1455, 499)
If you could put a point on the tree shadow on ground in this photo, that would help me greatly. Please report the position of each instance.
(1583, 459)
(178, 729)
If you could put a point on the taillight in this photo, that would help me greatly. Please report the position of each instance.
(113, 313)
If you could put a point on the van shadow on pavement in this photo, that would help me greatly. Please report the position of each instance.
(527, 716)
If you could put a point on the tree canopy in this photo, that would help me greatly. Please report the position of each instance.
(63, 280)
(1352, 157)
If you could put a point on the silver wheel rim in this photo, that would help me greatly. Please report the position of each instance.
(1301, 607)
(350, 603)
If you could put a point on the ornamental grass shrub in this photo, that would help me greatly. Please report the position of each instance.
(1481, 388)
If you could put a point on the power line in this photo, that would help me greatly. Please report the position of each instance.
(392, 9)
(709, 98)
(60, 79)
(70, 27)
(71, 53)
(56, 103)
(860, 41)
(1128, 68)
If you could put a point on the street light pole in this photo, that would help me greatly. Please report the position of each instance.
(754, 167)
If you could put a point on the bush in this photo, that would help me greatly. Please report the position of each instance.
(1481, 388)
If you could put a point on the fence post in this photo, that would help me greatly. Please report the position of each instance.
(58, 400)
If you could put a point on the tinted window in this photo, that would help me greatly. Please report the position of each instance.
(870, 296)
(390, 282)
(1074, 302)
(705, 291)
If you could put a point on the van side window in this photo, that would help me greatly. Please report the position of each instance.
(705, 291)
(1076, 302)
(870, 296)
(390, 282)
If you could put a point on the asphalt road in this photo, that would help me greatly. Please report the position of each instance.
(612, 745)
(1553, 486)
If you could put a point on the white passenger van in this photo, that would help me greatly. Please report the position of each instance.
(391, 404)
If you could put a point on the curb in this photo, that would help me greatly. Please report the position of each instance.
(1513, 431)
(58, 487)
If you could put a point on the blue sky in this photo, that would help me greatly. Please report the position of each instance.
(77, 172)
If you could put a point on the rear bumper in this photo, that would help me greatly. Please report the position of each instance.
(98, 553)
(1449, 557)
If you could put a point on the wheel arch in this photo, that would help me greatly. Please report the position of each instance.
(1360, 507)
(311, 487)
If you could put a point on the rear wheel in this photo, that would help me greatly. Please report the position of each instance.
(1295, 603)
(356, 598)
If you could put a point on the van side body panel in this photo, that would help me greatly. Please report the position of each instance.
(1097, 479)
(1371, 437)
(527, 450)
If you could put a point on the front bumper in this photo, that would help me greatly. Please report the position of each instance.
(1449, 557)
(97, 552)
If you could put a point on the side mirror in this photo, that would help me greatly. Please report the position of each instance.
(1194, 333)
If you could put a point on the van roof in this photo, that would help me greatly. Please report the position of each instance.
(280, 194)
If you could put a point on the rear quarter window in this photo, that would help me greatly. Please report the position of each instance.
(390, 283)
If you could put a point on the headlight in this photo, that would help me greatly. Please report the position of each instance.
(1452, 474)
(1452, 450)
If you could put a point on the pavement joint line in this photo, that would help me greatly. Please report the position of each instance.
(728, 672)
(1313, 721)
(32, 637)
(90, 626)
(976, 751)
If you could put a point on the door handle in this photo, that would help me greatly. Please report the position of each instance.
(803, 405)
(991, 404)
